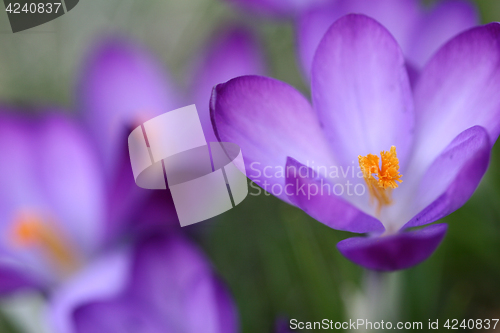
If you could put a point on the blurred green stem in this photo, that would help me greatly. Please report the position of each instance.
(379, 298)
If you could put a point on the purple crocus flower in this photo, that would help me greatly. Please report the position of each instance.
(419, 31)
(51, 201)
(442, 133)
(52, 214)
(123, 85)
(165, 285)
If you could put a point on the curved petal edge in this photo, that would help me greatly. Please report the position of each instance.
(395, 252)
(317, 197)
(457, 172)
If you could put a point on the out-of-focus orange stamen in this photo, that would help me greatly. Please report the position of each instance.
(31, 230)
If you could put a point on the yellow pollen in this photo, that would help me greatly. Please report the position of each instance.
(31, 230)
(381, 179)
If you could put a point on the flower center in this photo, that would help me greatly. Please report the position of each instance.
(30, 230)
(381, 179)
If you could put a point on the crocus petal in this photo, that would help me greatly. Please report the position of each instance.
(234, 53)
(413, 74)
(71, 181)
(121, 87)
(395, 252)
(453, 176)
(12, 279)
(269, 120)
(126, 199)
(361, 90)
(118, 315)
(458, 89)
(398, 16)
(171, 288)
(156, 213)
(101, 280)
(437, 26)
(316, 196)
(172, 277)
(17, 168)
(210, 297)
(278, 8)
(19, 193)
(50, 171)
(310, 28)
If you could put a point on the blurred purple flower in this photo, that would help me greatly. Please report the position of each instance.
(165, 285)
(52, 216)
(51, 201)
(279, 8)
(419, 31)
(65, 197)
(123, 85)
(363, 104)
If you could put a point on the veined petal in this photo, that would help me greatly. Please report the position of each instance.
(441, 23)
(121, 87)
(390, 253)
(310, 28)
(361, 90)
(452, 177)
(270, 121)
(316, 196)
(398, 16)
(458, 89)
(234, 53)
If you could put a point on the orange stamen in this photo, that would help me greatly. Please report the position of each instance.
(381, 180)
